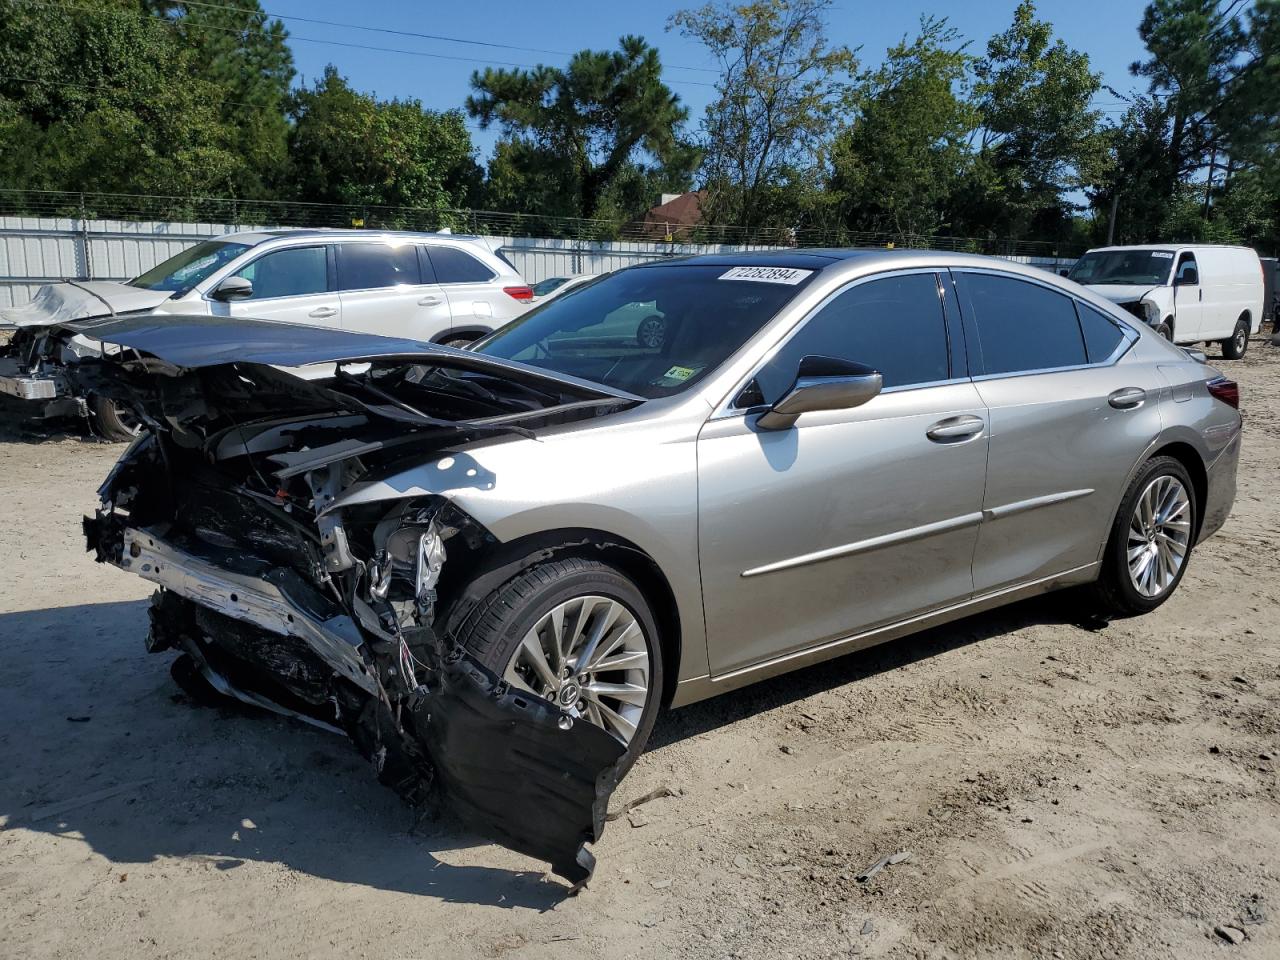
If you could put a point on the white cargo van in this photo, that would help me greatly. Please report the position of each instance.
(1187, 293)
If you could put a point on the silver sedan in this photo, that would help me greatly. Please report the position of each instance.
(492, 568)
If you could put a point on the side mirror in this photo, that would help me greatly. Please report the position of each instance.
(1064, 272)
(233, 288)
(1187, 278)
(823, 383)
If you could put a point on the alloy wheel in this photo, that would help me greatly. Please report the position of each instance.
(590, 657)
(1159, 536)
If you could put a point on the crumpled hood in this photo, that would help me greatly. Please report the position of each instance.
(58, 303)
(200, 340)
(1121, 293)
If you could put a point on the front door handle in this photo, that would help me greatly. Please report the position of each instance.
(956, 429)
(321, 313)
(1126, 398)
(430, 301)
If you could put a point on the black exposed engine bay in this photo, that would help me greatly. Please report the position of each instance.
(342, 617)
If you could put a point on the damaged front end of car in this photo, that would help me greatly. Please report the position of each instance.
(273, 596)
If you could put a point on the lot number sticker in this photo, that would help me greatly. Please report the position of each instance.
(788, 275)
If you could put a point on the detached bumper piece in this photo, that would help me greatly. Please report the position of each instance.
(517, 769)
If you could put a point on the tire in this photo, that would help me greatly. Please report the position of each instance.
(112, 420)
(1234, 347)
(1166, 330)
(493, 632)
(1116, 593)
(652, 332)
(461, 343)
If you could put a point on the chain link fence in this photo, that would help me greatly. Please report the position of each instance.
(291, 213)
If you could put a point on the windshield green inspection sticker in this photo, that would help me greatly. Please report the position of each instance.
(788, 275)
(679, 373)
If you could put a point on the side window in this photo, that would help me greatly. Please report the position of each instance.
(292, 272)
(1186, 267)
(371, 266)
(1023, 327)
(1101, 334)
(454, 266)
(894, 325)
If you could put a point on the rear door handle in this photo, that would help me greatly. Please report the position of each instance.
(1126, 398)
(430, 301)
(956, 429)
(320, 313)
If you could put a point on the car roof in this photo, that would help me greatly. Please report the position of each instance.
(1169, 247)
(329, 233)
(826, 258)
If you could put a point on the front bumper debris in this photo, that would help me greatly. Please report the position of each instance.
(513, 767)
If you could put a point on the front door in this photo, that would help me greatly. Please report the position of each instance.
(850, 518)
(292, 284)
(1188, 300)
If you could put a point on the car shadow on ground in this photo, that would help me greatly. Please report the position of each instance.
(766, 695)
(103, 748)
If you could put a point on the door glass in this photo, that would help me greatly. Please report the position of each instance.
(1023, 326)
(293, 272)
(372, 266)
(1186, 265)
(454, 266)
(894, 325)
(1101, 333)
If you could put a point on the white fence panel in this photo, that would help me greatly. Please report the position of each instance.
(39, 250)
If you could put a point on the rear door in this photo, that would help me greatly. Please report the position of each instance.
(849, 519)
(384, 291)
(470, 286)
(1070, 415)
(292, 284)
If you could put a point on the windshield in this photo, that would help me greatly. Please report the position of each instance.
(1150, 267)
(543, 287)
(182, 272)
(649, 331)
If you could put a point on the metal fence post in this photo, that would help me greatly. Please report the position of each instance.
(85, 251)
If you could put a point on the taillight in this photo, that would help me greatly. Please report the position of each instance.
(1228, 391)
(523, 294)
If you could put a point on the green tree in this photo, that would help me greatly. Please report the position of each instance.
(234, 45)
(901, 163)
(570, 133)
(348, 147)
(779, 97)
(108, 100)
(1038, 139)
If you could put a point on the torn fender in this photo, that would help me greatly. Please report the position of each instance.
(515, 768)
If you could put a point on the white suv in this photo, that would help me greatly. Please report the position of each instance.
(434, 287)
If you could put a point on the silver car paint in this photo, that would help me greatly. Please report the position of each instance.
(643, 476)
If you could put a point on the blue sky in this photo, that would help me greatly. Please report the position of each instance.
(1105, 29)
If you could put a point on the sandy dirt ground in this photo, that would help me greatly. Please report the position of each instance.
(1064, 789)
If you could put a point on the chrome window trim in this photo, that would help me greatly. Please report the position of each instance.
(725, 409)
(1129, 336)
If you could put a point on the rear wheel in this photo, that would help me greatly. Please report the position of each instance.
(1234, 346)
(579, 634)
(114, 420)
(1151, 540)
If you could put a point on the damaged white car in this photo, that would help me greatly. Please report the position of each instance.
(492, 568)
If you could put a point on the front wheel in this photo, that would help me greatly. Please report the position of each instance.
(1151, 540)
(114, 420)
(1166, 330)
(1234, 346)
(579, 634)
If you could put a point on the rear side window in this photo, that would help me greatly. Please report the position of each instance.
(1101, 334)
(292, 272)
(372, 266)
(454, 266)
(894, 325)
(1022, 326)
